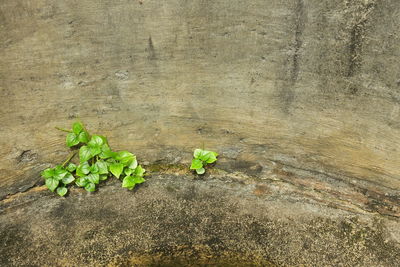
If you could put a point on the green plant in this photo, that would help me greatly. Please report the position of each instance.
(97, 162)
(201, 159)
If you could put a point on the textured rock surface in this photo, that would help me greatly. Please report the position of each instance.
(305, 92)
(173, 218)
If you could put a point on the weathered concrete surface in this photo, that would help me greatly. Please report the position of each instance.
(304, 91)
(173, 218)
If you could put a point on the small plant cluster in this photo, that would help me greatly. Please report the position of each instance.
(97, 162)
(201, 159)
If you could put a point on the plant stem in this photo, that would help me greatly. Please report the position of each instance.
(69, 158)
(64, 130)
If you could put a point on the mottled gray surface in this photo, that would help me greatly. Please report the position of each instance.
(303, 91)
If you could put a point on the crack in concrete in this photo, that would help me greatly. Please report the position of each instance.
(310, 184)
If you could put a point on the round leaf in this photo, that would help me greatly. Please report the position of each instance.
(125, 157)
(71, 167)
(81, 181)
(94, 168)
(69, 178)
(96, 141)
(128, 182)
(211, 157)
(83, 137)
(72, 139)
(93, 178)
(106, 152)
(52, 184)
(197, 153)
(103, 177)
(90, 187)
(139, 171)
(138, 180)
(77, 127)
(133, 165)
(196, 164)
(200, 171)
(62, 191)
(102, 166)
(94, 150)
(128, 171)
(48, 173)
(204, 155)
(59, 173)
(84, 154)
(83, 169)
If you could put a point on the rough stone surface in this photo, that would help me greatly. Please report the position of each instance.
(179, 219)
(301, 93)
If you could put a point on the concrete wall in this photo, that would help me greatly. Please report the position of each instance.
(301, 98)
(309, 83)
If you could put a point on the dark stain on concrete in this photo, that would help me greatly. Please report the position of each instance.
(287, 93)
(357, 36)
(150, 49)
(300, 20)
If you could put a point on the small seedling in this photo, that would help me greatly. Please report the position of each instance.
(201, 159)
(97, 162)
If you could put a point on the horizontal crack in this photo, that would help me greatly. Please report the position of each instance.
(308, 184)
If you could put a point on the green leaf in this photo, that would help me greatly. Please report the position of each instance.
(128, 171)
(134, 164)
(111, 160)
(69, 178)
(93, 178)
(211, 157)
(102, 166)
(204, 155)
(83, 169)
(106, 152)
(59, 173)
(83, 137)
(71, 167)
(200, 171)
(196, 164)
(95, 144)
(77, 127)
(48, 173)
(116, 169)
(94, 150)
(128, 182)
(94, 168)
(125, 157)
(103, 177)
(96, 141)
(84, 154)
(81, 181)
(139, 171)
(52, 184)
(62, 191)
(104, 139)
(138, 180)
(72, 139)
(90, 187)
(197, 153)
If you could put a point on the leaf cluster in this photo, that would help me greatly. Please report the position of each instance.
(97, 162)
(201, 159)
